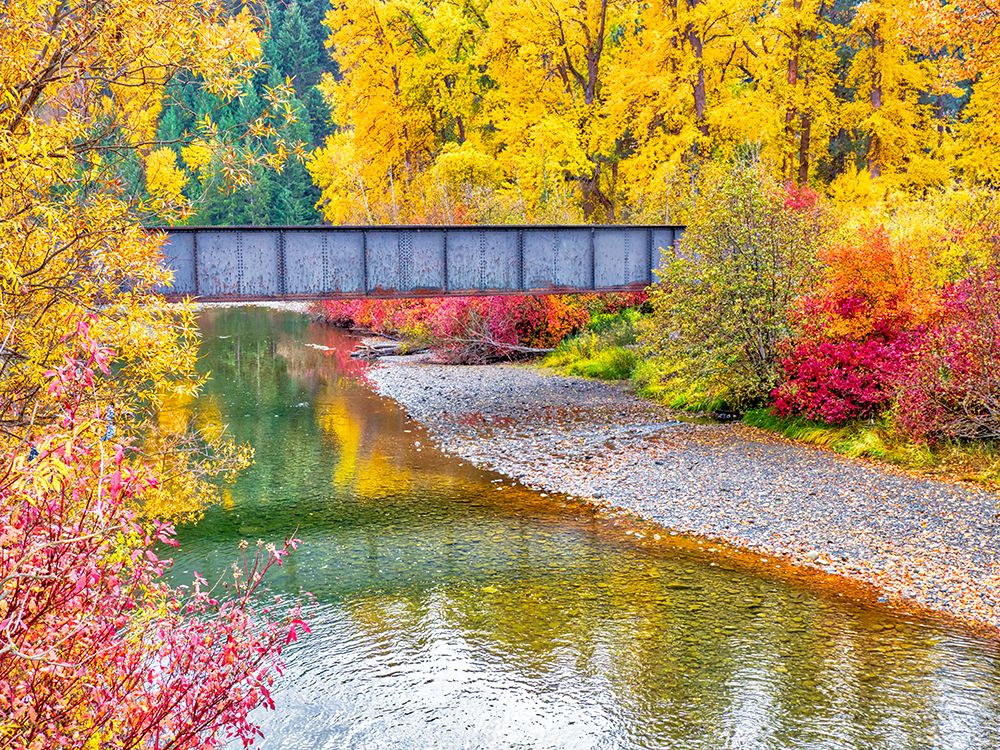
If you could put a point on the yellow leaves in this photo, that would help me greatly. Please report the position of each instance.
(279, 99)
(165, 181)
(569, 109)
(197, 155)
(467, 165)
(747, 117)
(226, 51)
(553, 145)
(892, 81)
(856, 188)
(978, 138)
(410, 86)
(80, 96)
(336, 170)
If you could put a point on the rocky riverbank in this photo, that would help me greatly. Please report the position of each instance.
(917, 541)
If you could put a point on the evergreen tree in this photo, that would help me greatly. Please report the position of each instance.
(297, 54)
(295, 49)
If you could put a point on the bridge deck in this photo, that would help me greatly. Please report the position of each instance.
(297, 263)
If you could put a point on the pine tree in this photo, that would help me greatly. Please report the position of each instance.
(296, 49)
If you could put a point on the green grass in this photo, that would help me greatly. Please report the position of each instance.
(605, 350)
(971, 462)
(608, 350)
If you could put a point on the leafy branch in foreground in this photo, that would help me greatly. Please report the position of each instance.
(96, 649)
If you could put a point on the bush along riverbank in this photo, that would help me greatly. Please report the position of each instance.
(475, 330)
(610, 350)
(878, 338)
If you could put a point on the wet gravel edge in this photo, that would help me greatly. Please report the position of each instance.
(918, 541)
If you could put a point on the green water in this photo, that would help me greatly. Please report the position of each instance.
(454, 611)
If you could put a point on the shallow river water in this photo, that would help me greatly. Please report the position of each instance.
(453, 610)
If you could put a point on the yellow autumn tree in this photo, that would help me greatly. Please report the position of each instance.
(81, 88)
(680, 96)
(551, 63)
(963, 38)
(795, 60)
(890, 109)
(609, 110)
(408, 89)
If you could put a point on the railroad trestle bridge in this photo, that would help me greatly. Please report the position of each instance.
(329, 262)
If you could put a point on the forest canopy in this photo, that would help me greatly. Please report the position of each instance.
(603, 110)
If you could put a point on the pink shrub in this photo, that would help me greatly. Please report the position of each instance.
(482, 328)
(951, 389)
(800, 198)
(836, 381)
(473, 328)
(98, 650)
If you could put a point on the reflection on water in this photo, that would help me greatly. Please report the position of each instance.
(456, 611)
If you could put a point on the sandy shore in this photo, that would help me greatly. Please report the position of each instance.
(918, 541)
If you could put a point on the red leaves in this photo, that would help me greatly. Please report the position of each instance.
(951, 388)
(95, 647)
(293, 630)
(164, 533)
(856, 334)
(469, 328)
(800, 198)
(878, 336)
(837, 381)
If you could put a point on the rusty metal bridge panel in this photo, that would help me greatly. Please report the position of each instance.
(297, 263)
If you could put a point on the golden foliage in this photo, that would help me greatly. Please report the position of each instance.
(81, 89)
(607, 110)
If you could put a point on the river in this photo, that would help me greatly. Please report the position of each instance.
(454, 610)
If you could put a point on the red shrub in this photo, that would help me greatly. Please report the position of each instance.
(836, 381)
(482, 328)
(952, 387)
(379, 315)
(802, 198)
(611, 302)
(469, 328)
(856, 333)
(875, 286)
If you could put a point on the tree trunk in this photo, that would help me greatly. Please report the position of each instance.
(700, 98)
(790, 113)
(698, 50)
(804, 142)
(596, 205)
(875, 145)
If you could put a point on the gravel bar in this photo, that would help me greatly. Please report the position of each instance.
(917, 541)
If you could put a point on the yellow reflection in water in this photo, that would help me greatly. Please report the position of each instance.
(333, 418)
(176, 412)
(189, 450)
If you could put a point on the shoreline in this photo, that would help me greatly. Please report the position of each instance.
(917, 544)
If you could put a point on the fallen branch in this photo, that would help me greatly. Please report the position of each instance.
(482, 349)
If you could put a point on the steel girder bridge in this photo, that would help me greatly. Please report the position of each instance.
(329, 262)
